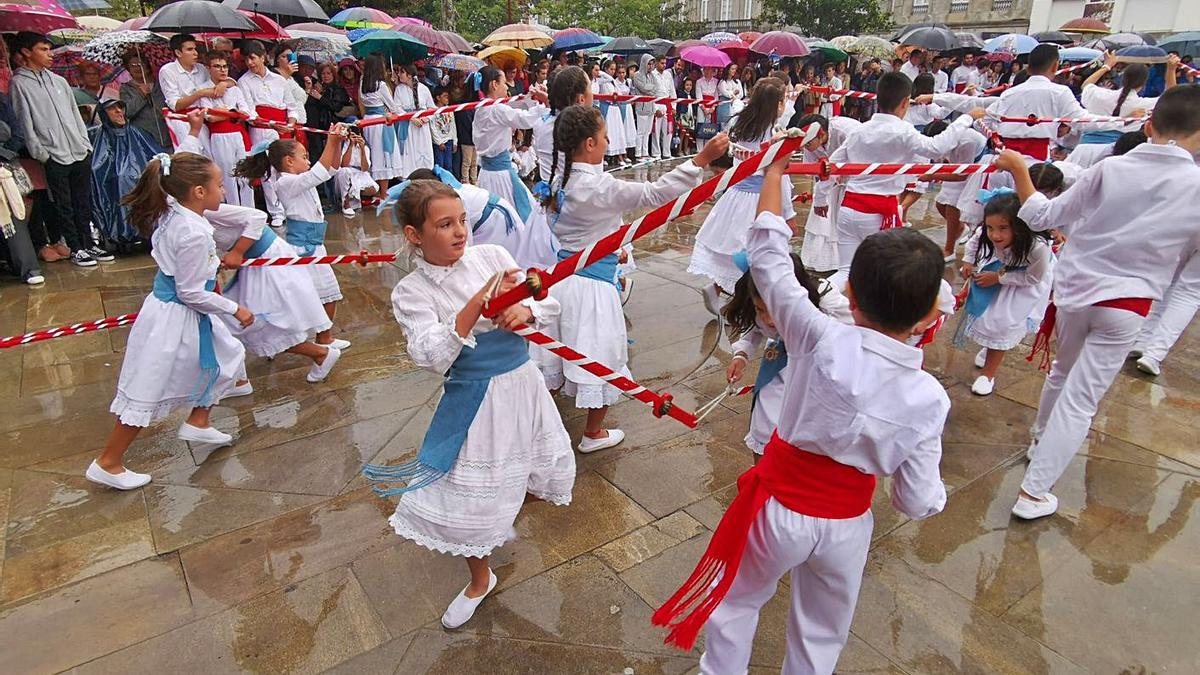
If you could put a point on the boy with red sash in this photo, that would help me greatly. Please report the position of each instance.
(228, 138)
(268, 94)
(1037, 96)
(871, 203)
(1130, 220)
(857, 405)
(184, 82)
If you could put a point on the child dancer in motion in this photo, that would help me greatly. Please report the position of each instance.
(857, 405)
(177, 354)
(496, 436)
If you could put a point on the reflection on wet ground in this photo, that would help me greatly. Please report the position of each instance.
(272, 555)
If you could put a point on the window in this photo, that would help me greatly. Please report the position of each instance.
(704, 10)
(748, 9)
(1001, 5)
(920, 7)
(726, 9)
(959, 5)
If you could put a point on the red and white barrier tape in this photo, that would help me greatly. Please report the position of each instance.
(1033, 120)
(341, 259)
(1081, 66)
(824, 169)
(71, 329)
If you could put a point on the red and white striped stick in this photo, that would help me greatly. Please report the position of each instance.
(661, 404)
(341, 259)
(1091, 119)
(1071, 69)
(539, 282)
(825, 169)
(72, 329)
(663, 100)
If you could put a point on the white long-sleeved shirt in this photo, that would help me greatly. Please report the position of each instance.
(298, 193)
(1038, 264)
(1039, 97)
(730, 89)
(176, 82)
(494, 124)
(381, 97)
(233, 99)
(941, 82)
(911, 70)
(839, 130)
(596, 200)
(853, 394)
(1100, 101)
(231, 222)
(1129, 220)
(920, 115)
(184, 249)
(888, 139)
(965, 75)
(270, 90)
(963, 102)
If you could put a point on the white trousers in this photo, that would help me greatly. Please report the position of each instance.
(180, 129)
(825, 558)
(1170, 316)
(227, 149)
(1092, 344)
(644, 123)
(660, 136)
(852, 227)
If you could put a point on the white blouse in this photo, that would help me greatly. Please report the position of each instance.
(184, 249)
(382, 96)
(270, 90)
(298, 193)
(231, 222)
(494, 124)
(731, 89)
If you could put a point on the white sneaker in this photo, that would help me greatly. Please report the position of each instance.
(1029, 509)
(241, 390)
(320, 371)
(126, 480)
(35, 279)
(209, 435)
(614, 438)
(981, 358)
(983, 386)
(1149, 365)
(712, 299)
(462, 608)
(339, 344)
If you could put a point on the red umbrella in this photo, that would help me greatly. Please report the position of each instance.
(135, 23)
(705, 56)
(39, 16)
(749, 36)
(267, 29)
(432, 38)
(735, 48)
(780, 43)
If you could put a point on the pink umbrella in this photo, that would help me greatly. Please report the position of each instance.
(706, 57)
(39, 16)
(412, 21)
(432, 38)
(780, 43)
(135, 23)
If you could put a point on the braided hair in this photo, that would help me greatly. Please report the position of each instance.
(566, 86)
(487, 75)
(572, 127)
(1132, 78)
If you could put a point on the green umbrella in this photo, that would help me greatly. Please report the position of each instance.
(830, 51)
(393, 44)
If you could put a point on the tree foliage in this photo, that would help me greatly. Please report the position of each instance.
(644, 18)
(827, 18)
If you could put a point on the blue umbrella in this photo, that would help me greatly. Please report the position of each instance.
(575, 39)
(1142, 54)
(1013, 43)
(1079, 54)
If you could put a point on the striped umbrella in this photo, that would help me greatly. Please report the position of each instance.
(361, 17)
(460, 62)
(519, 35)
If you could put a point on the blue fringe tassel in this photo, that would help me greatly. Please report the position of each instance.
(414, 474)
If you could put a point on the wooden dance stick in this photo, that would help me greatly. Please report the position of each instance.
(1033, 120)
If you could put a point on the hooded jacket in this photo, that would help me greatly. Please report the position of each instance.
(45, 108)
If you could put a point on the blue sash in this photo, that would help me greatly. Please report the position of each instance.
(979, 299)
(256, 250)
(306, 235)
(1099, 137)
(503, 162)
(749, 184)
(624, 108)
(164, 290)
(724, 111)
(493, 205)
(770, 367)
(496, 352)
(604, 106)
(604, 269)
(920, 128)
(397, 132)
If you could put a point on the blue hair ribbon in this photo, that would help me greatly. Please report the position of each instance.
(986, 196)
(476, 80)
(742, 260)
(393, 196)
(260, 147)
(447, 177)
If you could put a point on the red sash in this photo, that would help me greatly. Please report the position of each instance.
(1038, 148)
(887, 206)
(230, 127)
(1041, 341)
(279, 116)
(804, 482)
(170, 131)
(960, 87)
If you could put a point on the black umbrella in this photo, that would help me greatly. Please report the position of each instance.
(198, 16)
(931, 38)
(660, 46)
(913, 26)
(1054, 36)
(969, 41)
(308, 10)
(627, 45)
(1117, 41)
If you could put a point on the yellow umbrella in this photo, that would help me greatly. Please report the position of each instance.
(520, 35)
(503, 57)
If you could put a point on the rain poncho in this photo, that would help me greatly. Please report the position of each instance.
(119, 154)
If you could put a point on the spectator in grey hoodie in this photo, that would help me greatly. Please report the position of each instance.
(55, 136)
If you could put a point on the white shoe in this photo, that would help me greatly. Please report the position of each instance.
(1029, 509)
(949, 258)
(126, 480)
(462, 608)
(320, 371)
(981, 358)
(339, 344)
(241, 390)
(209, 435)
(349, 213)
(35, 279)
(1149, 365)
(614, 438)
(712, 300)
(983, 386)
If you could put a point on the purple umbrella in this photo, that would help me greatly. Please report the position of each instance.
(780, 43)
(705, 57)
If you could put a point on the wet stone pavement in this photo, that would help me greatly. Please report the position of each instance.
(273, 556)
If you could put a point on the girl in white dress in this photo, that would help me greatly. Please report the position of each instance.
(296, 181)
(751, 323)
(568, 86)
(412, 95)
(625, 87)
(496, 437)
(176, 355)
(377, 101)
(1010, 268)
(588, 204)
(607, 84)
(727, 224)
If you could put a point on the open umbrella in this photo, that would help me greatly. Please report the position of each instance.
(1086, 24)
(98, 24)
(1054, 37)
(135, 23)
(460, 62)
(1011, 43)
(321, 46)
(1079, 54)
(575, 39)
(706, 57)
(660, 46)
(82, 5)
(1182, 43)
(412, 21)
(682, 45)
(267, 29)
(397, 46)
(872, 48)
(458, 42)
(714, 39)
(67, 60)
(198, 16)
(932, 38)
(780, 43)
(830, 51)
(314, 27)
(41, 16)
(969, 41)
(749, 36)
(503, 57)
(519, 35)
(307, 10)
(110, 48)
(1142, 54)
(735, 48)
(628, 45)
(844, 42)
(1116, 41)
(432, 38)
(361, 17)
(895, 37)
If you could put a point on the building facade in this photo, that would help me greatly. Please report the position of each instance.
(734, 16)
(989, 18)
(1158, 17)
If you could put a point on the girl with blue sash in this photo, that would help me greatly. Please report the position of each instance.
(382, 139)
(586, 205)
(176, 354)
(493, 131)
(496, 438)
(418, 144)
(750, 325)
(296, 185)
(1124, 101)
(726, 226)
(607, 84)
(1010, 268)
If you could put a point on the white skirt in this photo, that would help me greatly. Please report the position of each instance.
(418, 150)
(765, 416)
(631, 133)
(819, 251)
(516, 444)
(287, 309)
(161, 368)
(227, 149)
(1016, 312)
(616, 131)
(350, 182)
(323, 278)
(950, 192)
(384, 165)
(725, 231)
(593, 324)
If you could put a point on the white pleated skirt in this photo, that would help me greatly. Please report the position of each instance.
(592, 323)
